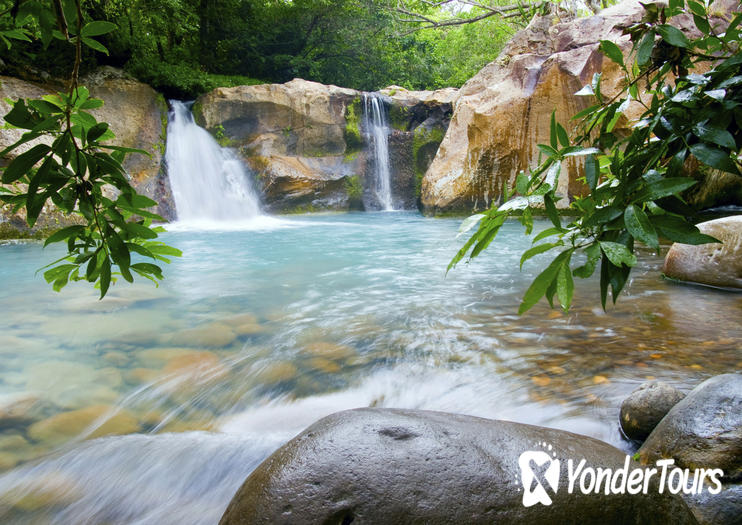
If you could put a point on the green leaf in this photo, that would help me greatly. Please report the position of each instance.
(541, 248)
(679, 230)
(140, 231)
(97, 131)
(565, 286)
(98, 27)
(23, 163)
(553, 131)
(551, 210)
(94, 44)
(664, 188)
(711, 156)
(617, 253)
(548, 151)
(548, 232)
(521, 183)
(91, 103)
(469, 223)
(119, 251)
(673, 36)
(638, 225)
(612, 51)
(697, 8)
(105, 277)
(592, 171)
(644, 52)
(542, 282)
(64, 234)
(718, 136)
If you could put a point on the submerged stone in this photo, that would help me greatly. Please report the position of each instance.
(64, 426)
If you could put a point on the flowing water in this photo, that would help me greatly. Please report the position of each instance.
(376, 127)
(257, 333)
(209, 183)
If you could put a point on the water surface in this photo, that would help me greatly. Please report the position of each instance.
(260, 330)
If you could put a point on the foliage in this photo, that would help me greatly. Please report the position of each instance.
(64, 156)
(186, 47)
(634, 181)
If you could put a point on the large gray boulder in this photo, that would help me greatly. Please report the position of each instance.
(711, 264)
(411, 466)
(704, 430)
(645, 407)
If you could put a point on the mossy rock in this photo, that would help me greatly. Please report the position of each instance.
(399, 117)
(353, 114)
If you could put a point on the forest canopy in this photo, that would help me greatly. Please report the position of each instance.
(186, 47)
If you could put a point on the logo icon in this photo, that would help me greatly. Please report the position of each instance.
(537, 472)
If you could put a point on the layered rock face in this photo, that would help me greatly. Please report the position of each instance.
(503, 112)
(293, 136)
(306, 143)
(136, 114)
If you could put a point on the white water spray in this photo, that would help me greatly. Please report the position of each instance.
(209, 183)
(377, 132)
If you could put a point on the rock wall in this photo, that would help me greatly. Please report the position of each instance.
(305, 142)
(136, 114)
(503, 112)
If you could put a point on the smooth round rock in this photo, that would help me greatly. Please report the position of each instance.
(704, 430)
(645, 407)
(711, 264)
(383, 466)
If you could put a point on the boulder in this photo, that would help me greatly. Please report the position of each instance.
(410, 466)
(136, 114)
(306, 145)
(704, 430)
(645, 407)
(503, 112)
(711, 264)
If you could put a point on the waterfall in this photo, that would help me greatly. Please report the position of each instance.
(377, 131)
(209, 183)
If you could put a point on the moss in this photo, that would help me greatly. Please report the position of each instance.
(423, 140)
(8, 231)
(353, 187)
(399, 117)
(198, 113)
(353, 139)
(223, 140)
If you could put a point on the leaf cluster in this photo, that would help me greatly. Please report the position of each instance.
(635, 180)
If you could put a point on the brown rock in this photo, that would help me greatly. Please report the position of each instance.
(710, 264)
(67, 425)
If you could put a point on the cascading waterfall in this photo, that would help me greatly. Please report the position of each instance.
(377, 131)
(209, 183)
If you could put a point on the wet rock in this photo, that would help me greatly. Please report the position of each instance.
(645, 407)
(67, 425)
(195, 363)
(410, 466)
(704, 430)
(324, 365)
(710, 264)
(278, 372)
(214, 335)
(330, 350)
(724, 508)
(18, 409)
(247, 329)
(136, 114)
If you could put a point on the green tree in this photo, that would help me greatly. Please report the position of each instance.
(67, 159)
(635, 182)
